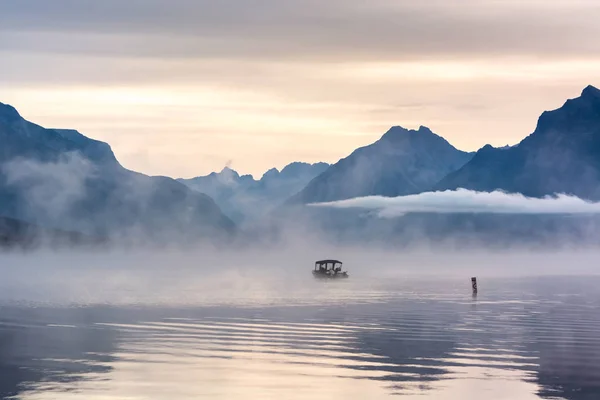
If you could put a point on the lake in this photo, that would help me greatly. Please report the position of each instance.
(419, 337)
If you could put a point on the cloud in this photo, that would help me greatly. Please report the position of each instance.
(301, 28)
(261, 81)
(467, 201)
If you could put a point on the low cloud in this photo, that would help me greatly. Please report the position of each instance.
(50, 189)
(467, 201)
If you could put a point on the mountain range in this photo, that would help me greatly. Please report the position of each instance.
(61, 179)
(402, 162)
(245, 199)
(562, 155)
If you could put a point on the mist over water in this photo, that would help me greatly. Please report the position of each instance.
(256, 324)
(261, 276)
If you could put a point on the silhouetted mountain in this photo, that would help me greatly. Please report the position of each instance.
(244, 198)
(401, 162)
(24, 139)
(562, 155)
(61, 179)
(292, 178)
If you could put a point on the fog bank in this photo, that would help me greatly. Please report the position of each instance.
(468, 201)
(258, 278)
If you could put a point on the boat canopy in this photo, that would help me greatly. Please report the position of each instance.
(323, 262)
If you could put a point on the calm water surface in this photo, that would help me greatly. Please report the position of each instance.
(518, 339)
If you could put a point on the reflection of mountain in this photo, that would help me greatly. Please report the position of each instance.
(544, 336)
(569, 368)
(34, 352)
(519, 336)
(244, 198)
(414, 348)
(568, 348)
(62, 179)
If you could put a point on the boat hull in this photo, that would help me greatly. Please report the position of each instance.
(323, 275)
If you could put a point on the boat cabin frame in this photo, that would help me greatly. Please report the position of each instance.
(329, 269)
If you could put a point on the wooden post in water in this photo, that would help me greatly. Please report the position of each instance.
(474, 284)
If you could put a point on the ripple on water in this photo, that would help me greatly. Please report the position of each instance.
(430, 345)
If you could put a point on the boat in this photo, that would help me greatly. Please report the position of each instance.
(329, 269)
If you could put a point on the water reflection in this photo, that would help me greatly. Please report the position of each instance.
(517, 340)
(40, 346)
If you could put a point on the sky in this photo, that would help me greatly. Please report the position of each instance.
(185, 87)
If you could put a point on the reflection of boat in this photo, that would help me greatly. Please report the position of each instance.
(329, 269)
